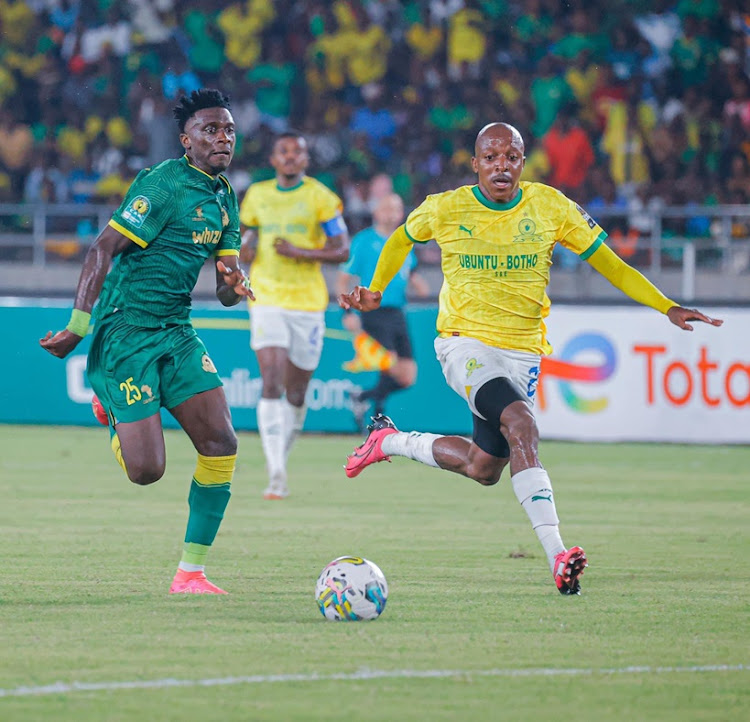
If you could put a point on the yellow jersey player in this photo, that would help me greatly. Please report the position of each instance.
(292, 224)
(496, 240)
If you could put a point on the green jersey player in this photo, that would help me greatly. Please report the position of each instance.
(144, 352)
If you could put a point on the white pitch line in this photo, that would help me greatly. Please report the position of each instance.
(363, 674)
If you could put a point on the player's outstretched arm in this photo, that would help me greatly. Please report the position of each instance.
(108, 244)
(335, 250)
(635, 285)
(231, 282)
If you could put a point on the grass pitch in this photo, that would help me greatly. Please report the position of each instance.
(474, 627)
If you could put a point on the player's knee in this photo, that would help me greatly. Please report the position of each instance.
(485, 477)
(273, 388)
(296, 397)
(223, 443)
(486, 474)
(145, 474)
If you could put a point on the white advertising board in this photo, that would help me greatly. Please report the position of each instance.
(627, 374)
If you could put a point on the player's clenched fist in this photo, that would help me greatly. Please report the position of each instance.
(61, 343)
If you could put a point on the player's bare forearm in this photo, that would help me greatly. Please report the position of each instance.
(108, 244)
(232, 285)
(249, 247)
(336, 250)
(96, 264)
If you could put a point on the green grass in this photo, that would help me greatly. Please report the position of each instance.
(89, 557)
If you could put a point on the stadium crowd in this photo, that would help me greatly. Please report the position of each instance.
(623, 104)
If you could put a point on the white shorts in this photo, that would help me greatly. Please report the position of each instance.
(299, 332)
(468, 364)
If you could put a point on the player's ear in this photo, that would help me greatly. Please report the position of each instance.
(185, 140)
(474, 164)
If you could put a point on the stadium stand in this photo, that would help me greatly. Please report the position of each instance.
(639, 110)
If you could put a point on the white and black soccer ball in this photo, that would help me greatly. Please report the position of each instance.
(351, 589)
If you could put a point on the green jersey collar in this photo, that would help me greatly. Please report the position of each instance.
(214, 179)
(496, 206)
(291, 188)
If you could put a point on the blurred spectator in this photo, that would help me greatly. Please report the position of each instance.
(569, 151)
(662, 92)
(738, 179)
(660, 28)
(272, 81)
(626, 135)
(82, 181)
(179, 79)
(242, 24)
(549, 92)
(738, 104)
(375, 121)
(622, 237)
(467, 42)
(45, 183)
(581, 38)
(367, 47)
(16, 143)
(423, 36)
(205, 46)
(155, 121)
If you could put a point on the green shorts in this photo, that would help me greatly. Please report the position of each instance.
(134, 371)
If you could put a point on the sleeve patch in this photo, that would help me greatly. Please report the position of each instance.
(586, 216)
(137, 211)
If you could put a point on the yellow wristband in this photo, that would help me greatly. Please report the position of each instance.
(79, 322)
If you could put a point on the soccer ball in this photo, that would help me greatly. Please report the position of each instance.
(351, 589)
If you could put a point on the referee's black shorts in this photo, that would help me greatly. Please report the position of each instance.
(388, 327)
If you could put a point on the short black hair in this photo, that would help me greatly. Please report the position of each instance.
(188, 106)
(291, 133)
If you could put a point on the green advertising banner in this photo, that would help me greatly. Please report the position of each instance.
(41, 389)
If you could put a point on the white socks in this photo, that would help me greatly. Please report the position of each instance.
(294, 419)
(413, 445)
(533, 490)
(271, 429)
(278, 424)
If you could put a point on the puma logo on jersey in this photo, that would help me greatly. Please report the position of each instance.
(470, 231)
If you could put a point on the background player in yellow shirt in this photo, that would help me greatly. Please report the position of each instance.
(496, 240)
(293, 224)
